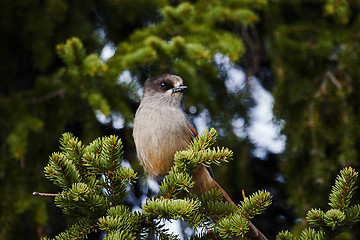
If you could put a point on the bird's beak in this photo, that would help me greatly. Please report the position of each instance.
(179, 89)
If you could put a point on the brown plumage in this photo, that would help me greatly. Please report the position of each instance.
(161, 128)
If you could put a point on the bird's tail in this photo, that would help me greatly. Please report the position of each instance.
(204, 182)
(253, 232)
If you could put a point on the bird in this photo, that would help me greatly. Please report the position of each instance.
(161, 128)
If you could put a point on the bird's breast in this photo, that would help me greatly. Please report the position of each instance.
(158, 134)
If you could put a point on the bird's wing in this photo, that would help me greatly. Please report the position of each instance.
(192, 130)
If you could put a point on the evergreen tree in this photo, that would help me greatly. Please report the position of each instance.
(93, 190)
(314, 53)
(332, 223)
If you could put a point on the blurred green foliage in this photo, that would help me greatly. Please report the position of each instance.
(315, 54)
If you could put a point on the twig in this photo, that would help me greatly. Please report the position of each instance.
(45, 194)
(46, 97)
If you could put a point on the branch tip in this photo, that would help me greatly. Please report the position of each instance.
(45, 194)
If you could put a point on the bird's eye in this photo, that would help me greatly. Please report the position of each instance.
(162, 85)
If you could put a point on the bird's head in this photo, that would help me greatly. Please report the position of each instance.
(166, 87)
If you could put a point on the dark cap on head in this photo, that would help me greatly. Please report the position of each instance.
(164, 83)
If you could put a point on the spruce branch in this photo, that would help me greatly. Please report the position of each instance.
(341, 216)
(79, 230)
(215, 210)
(80, 200)
(175, 183)
(184, 161)
(255, 204)
(214, 195)
(343, 189)
(199, 152)
(334, 218)
(211, 208)
(332, 223)
(93, 181)
(312, 234)
(179, 177)
(111, 154)
(93, 189)
(316, 217)
(232, 226)
(206, 235)
(120, 219)
(158, 229)
(91, 157)
(212, 156)
(104, 155)
(183, 209)
(121, 235)
(204, 140)
(352, 214)
(73, 150)
(72, 52)
(62, 171)
(285, 235)
(237, 223)
(124, 174)
(212, 204)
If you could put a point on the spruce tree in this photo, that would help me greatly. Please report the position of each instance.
(93, 184)
(314, 53)
(341, 217)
